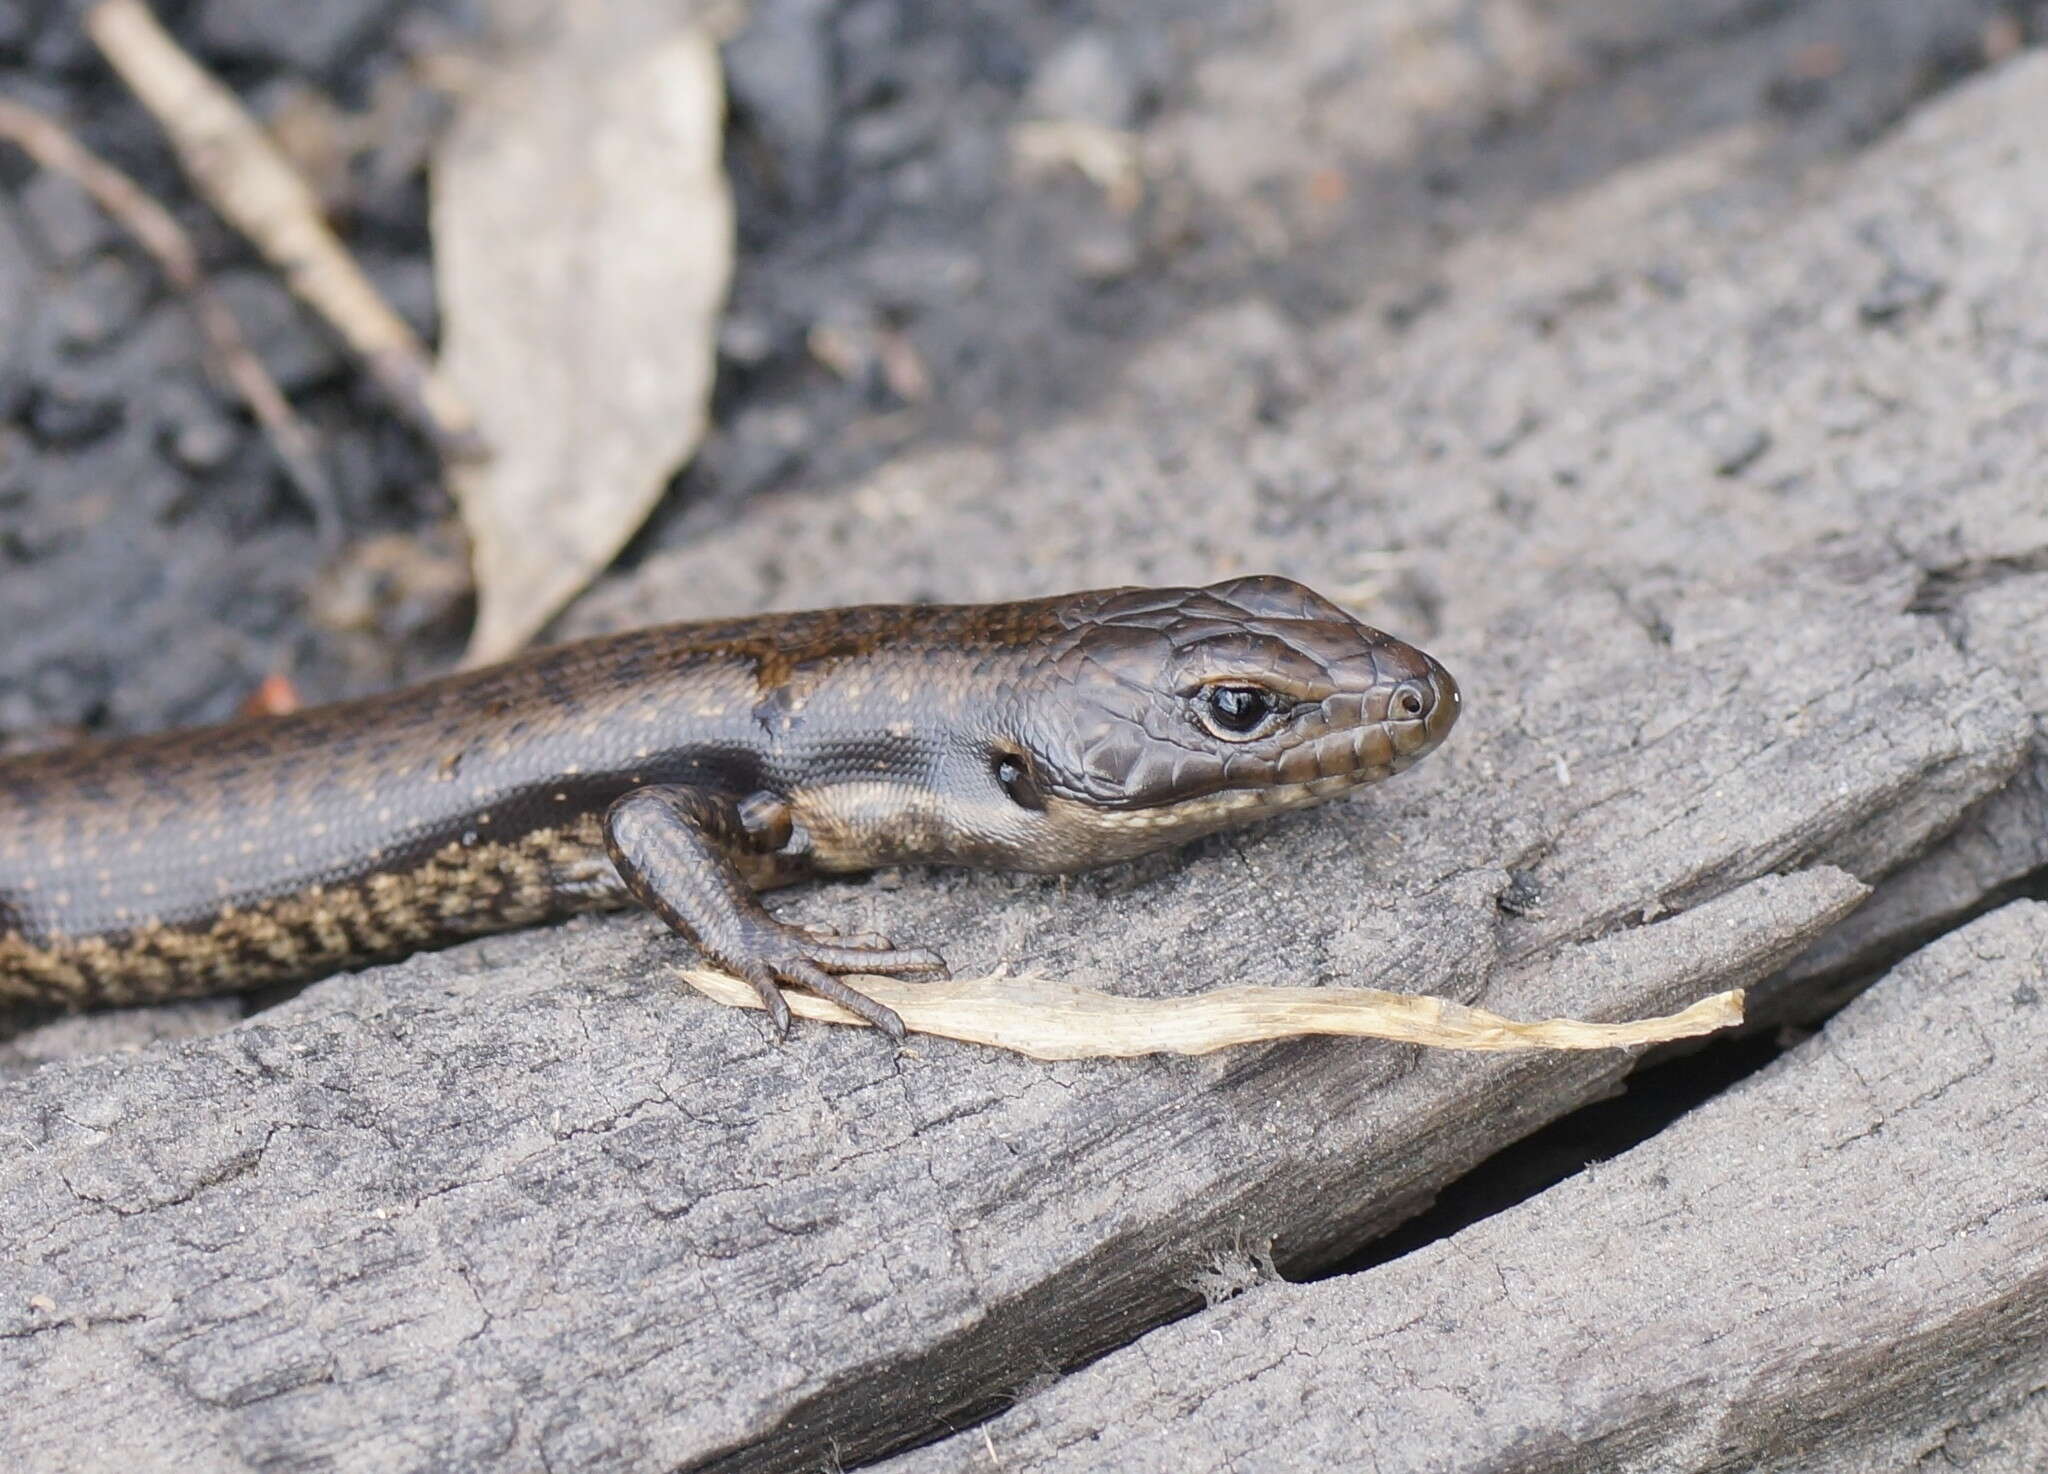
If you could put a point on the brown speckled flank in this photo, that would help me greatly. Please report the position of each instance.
(685, 767)
(458, 890)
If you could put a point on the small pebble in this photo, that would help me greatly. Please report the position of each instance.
(17, 28)
(298, 354)
(193, 433)
(761, 445)
(889, 134)
(1901, 291)
(64, 217)
(310, 36)
(920, 276)
(1104, 252)
(748, 339)
(1087, 80)
(99, 303)
(72, 409)
(780, 71)
(1735, 448)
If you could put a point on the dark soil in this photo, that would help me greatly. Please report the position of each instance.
(155, 566)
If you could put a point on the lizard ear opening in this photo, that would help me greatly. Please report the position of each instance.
(1013, 772)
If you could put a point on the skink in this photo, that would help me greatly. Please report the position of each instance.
(686, 768)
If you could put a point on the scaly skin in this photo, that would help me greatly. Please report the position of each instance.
(686, 767)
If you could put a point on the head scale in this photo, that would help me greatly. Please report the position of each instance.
(1171, 713)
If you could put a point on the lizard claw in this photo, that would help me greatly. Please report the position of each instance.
(801, 956)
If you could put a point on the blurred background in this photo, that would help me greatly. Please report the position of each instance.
(954, 223)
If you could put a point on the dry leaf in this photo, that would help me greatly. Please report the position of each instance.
(1053, 1020)
(583, 240)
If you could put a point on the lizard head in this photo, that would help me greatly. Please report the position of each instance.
(1163, 714)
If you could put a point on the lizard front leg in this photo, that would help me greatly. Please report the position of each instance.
(680, 851)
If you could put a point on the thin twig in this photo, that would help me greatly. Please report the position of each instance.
(1046, 1019)
(233, 163)
(50, 145)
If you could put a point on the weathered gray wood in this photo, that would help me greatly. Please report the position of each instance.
(2000, 850)
(1814, 1271)
(115, 1029)
(524, 1204)
(520, 1165)
(1994, 1436)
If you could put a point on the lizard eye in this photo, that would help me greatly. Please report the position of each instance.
(1410, 701)
(1014, 773)
(1236, 711)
